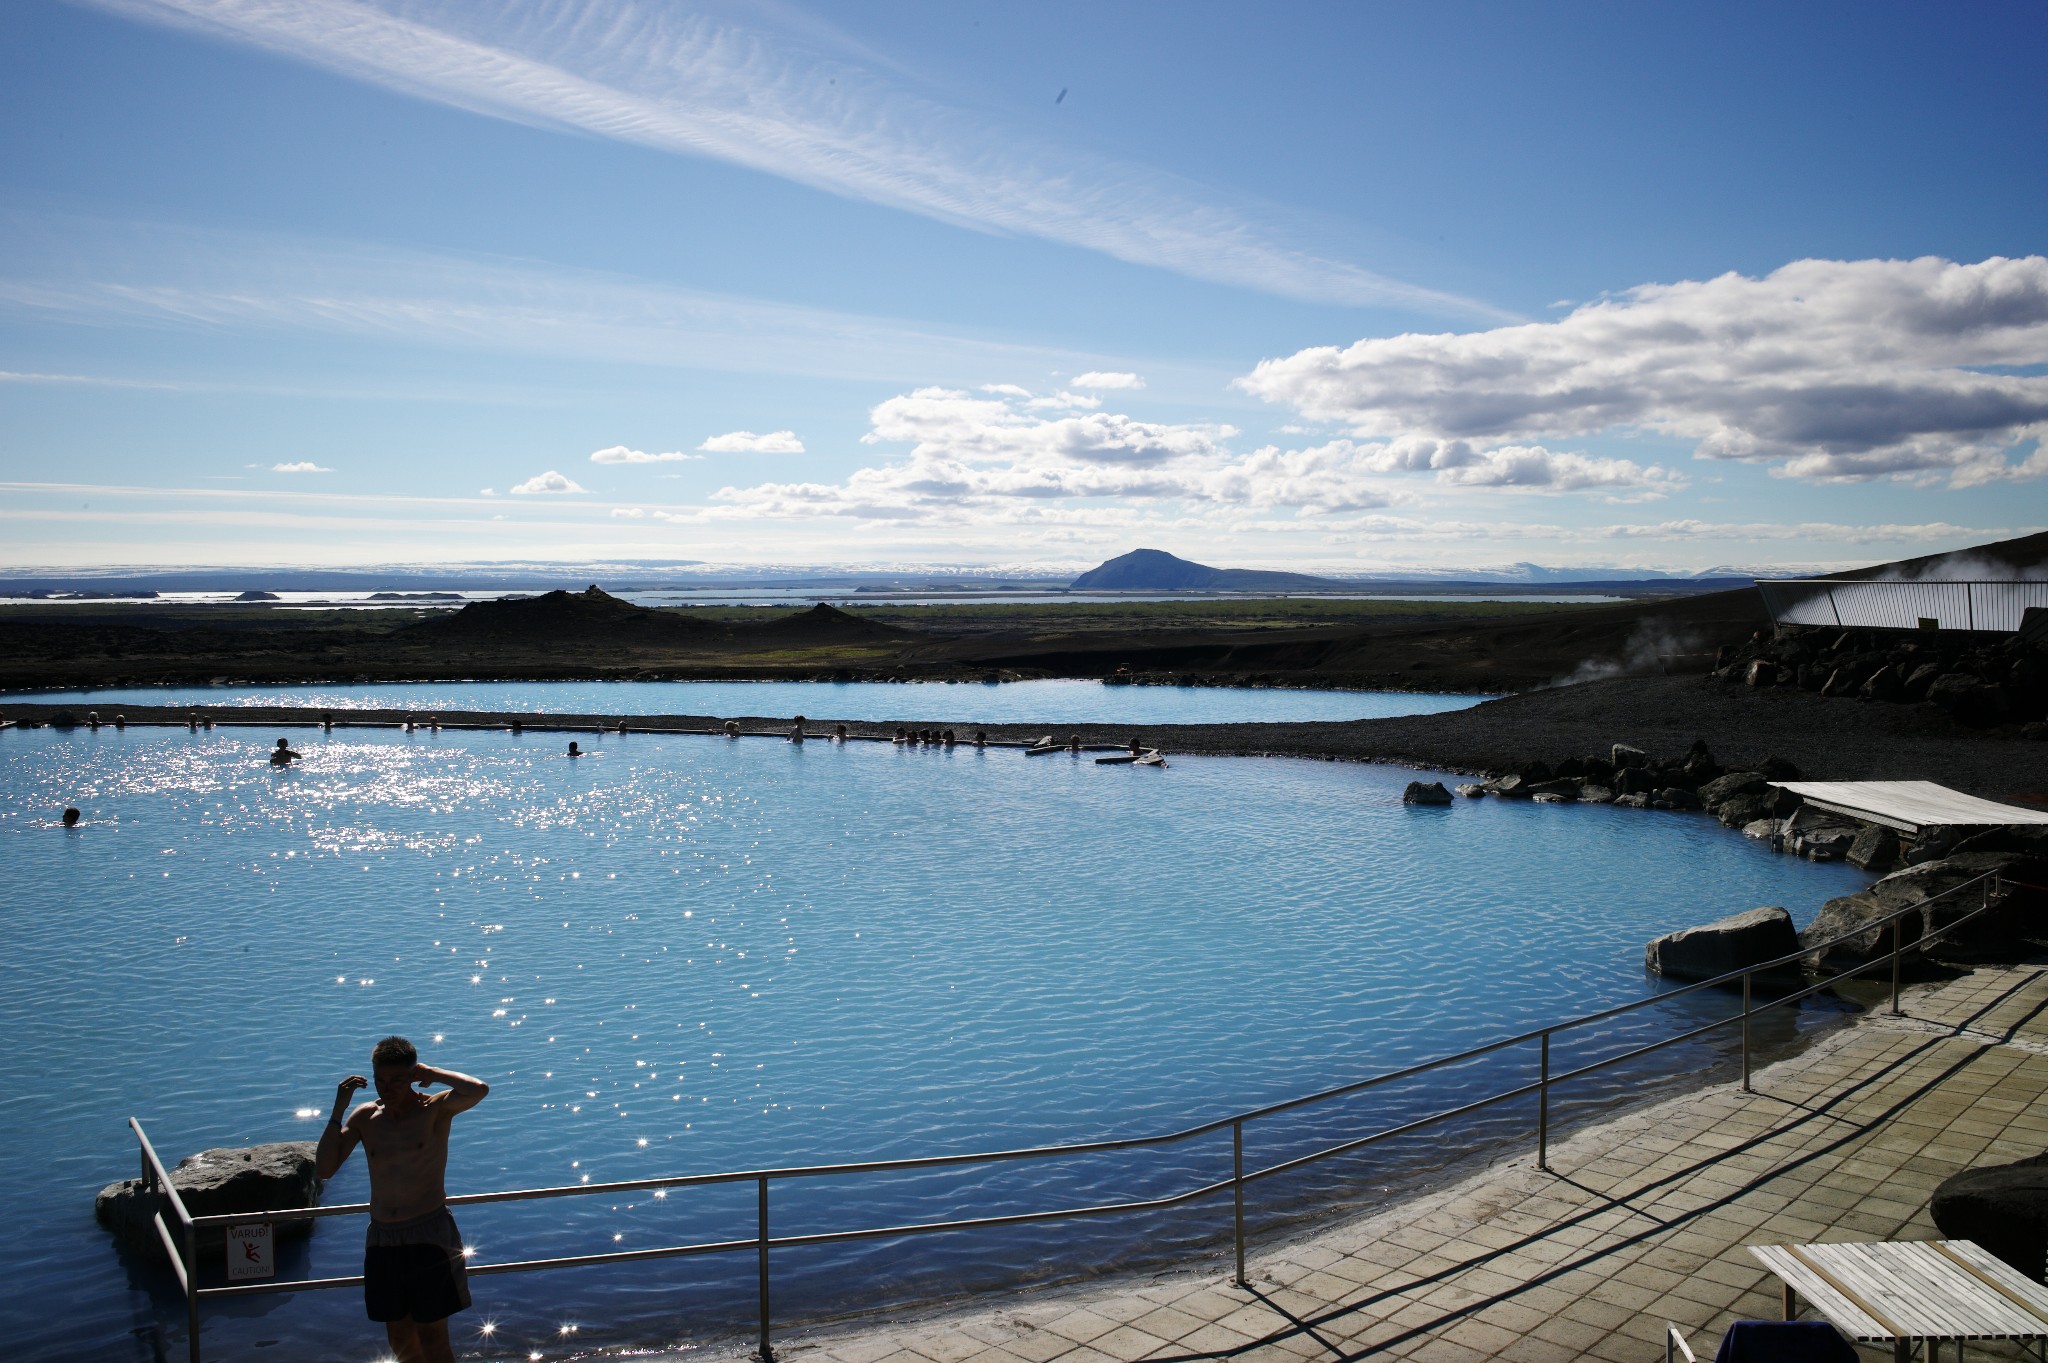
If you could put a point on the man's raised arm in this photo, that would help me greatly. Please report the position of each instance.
(336, 1140)
(464, 1092)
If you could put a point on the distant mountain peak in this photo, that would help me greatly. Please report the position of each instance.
(1155, 570)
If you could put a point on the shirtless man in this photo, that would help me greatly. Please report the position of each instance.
(413, 1271)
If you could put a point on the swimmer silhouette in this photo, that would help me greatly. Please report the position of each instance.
(575, 751)
(282, 755)
(71, 816)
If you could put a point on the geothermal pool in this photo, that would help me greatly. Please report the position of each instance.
(687, 954)
(1025, 702)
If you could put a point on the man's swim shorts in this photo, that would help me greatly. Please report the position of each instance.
(415, 1269)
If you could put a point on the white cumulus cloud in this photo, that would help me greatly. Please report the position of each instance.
(620, 454)
(1004, 454)
(1107, 378)
(548, 482)
(746, 442)
(299, 466)
(1827, 370)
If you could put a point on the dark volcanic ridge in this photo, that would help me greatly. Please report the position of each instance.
(1489, 648)
(595, 616)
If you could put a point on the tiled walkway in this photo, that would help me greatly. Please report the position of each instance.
(1643, 1220)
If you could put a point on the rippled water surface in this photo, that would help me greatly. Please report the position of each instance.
(1028, 702)
(686, 954)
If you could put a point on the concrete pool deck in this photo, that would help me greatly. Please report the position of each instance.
(1643, 1220)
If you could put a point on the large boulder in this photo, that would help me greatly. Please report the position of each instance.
(254, 1178)
(1722, 789)
(1634, 781)
(1747, 808)
(1729, 944)
(1920, 679)
(1875, 848)
(1999, 935)
(1623, 757)
(1825, 844)
(2003, 1208)
(1425, 793)
(1970, 699)
(1565, 787)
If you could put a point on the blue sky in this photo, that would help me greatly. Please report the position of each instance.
(1333, 286)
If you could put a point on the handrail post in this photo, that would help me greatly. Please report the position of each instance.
(1237, 1192)
(767, 1354)
(164, 1196)
(1543, 1108)
(1745, 1033)
(192, 1291)
(1895, 967)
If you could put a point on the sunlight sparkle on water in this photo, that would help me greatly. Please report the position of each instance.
(994, 953)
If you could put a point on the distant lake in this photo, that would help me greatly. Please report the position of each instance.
(1024, 702)
(686, 954)
(797, 600)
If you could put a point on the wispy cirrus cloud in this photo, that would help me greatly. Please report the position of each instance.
(1828, 370)
(620, 454)
(704, 85)
(299, 466)
(746, 442)
(92, 272)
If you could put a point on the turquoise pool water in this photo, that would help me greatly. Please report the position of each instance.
(685, 954)
(1028, 702)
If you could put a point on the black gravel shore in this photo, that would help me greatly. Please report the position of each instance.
(1828, 738)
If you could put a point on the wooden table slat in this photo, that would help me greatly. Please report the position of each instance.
(1891, 1300)
(1847, 1314)
(1907, 1290)
(1934, 1299)
(1996, 1313)
(1997, 1275)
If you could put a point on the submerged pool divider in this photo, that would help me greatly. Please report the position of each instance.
(182, 1247)
(624, 726)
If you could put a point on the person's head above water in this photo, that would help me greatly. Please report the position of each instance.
(575, 751)
(71, 816)
(282, 743)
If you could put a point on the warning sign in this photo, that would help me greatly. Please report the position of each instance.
(249, 1252)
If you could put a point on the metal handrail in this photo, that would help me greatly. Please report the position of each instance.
(185, 1264)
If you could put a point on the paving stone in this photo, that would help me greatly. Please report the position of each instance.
(946, 1346)
(1645, 1219)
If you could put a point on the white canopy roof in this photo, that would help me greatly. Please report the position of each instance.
(1910, 806)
